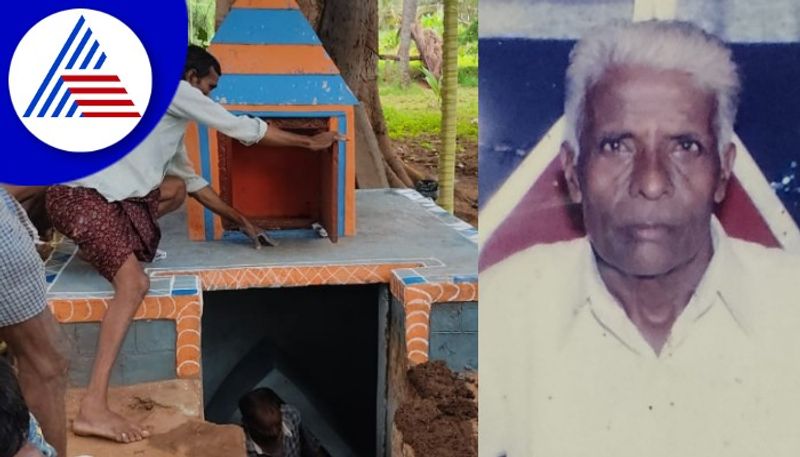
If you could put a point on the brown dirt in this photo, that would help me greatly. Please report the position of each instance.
(418, 154)
(171, 411)
(439, 418)
(200, 439)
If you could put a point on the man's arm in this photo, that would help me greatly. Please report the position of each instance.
(190, 103)
(208, 198)
(278, 137)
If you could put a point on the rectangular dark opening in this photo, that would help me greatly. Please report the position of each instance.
(321, 341)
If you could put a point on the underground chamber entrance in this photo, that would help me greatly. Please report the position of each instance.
(316, 347)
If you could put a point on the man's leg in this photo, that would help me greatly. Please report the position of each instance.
(40, 345)
(95, 418)
(173, 193)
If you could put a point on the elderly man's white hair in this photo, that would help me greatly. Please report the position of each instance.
(664, 45)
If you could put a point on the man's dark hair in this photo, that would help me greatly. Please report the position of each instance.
(201, 61)
(258, 399)
(14, 415)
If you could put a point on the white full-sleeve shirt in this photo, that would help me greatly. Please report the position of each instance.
(163, 152)
(565, 373)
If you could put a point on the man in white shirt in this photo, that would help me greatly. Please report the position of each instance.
(112, 216)
(656, 334)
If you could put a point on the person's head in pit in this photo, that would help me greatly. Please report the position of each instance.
(202, 70)
(650, 109)
(262, 419)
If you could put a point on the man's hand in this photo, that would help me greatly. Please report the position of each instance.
(252, 231)
(324, 140)
(208, 198)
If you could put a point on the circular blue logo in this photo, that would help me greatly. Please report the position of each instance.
(87, 82)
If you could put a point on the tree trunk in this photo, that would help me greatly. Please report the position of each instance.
(312, 10)
(223, 8)
(409, 17)
(349, 32)
(370, 166)
(429, 45)
(447, 157)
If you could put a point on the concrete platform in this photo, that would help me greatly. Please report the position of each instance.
(394, 227)
(424, 254)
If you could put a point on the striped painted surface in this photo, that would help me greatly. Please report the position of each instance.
(283, 90)
(270, 59)
(266, 26)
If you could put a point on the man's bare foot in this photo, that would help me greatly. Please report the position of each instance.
(102, 422)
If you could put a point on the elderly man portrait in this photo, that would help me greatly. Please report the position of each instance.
(656, 334)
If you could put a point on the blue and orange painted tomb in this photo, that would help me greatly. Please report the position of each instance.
(275, 68)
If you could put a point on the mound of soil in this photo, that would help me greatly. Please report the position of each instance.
(439, 417)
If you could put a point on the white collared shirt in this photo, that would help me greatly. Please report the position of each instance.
(564, 372)
(163, 151)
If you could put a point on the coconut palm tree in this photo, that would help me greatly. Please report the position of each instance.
(449, 88)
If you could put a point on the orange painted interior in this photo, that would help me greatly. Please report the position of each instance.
(266, 4)
(350, 150)
(276, 182)
(266, 59)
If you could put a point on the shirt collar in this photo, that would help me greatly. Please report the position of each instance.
(726, 277)
(723, 281)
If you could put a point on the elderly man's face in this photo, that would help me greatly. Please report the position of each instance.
(649, 172)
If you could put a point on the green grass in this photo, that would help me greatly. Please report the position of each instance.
(414, 112)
